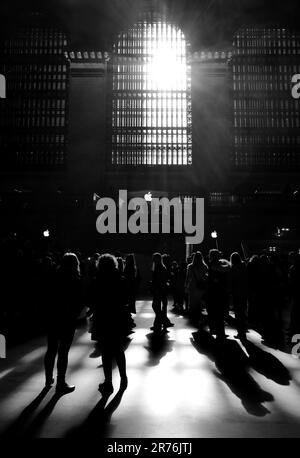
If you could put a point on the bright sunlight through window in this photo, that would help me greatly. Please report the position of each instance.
(151, 97)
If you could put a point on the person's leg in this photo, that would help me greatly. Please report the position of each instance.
(106, 387)
(240, 316)
(156, 305)
(121, 363)
(180, 301)
(164, 311)
(107, 365)
(219, 318)
(211, 307)
(50, 356)
(63, 356)
(132, 306)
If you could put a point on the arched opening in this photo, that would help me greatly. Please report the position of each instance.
(151, 96)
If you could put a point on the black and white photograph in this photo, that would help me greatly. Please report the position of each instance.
(150, 222)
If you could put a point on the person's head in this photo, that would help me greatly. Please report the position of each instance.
(235, 259)
(214, 256)
(120, 262)
(264, 262)
(166, 259)
(47, 263)
(157, 260)
(297, 260)
(198, 259)
(70, 264)
(107, 264)
(130, 262)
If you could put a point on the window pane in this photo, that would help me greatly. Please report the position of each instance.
(150, 93)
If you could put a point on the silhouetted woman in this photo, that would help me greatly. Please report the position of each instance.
(110, 319)
(196, 282)
(61, 320)
(160, 292)
(216, 296)
(238, 286)
(132, 278)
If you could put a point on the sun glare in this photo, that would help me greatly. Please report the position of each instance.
(166, 69)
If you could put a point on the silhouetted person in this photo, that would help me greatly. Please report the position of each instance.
(278, 300)
(196, 283)
(253, 271)
(110, 320)
(132, 278)
(166, 260)
(62, 315)
(266, 284)
(120, 262)
(180, 286)
(294, 277)
(159, 291)
(238, 281)
(216, 296)
(173, 282)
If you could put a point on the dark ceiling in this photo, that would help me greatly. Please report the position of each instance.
(93, 23)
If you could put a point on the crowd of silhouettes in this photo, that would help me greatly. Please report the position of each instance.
(261, 292)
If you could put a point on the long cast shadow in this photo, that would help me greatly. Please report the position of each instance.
(17, 426)
(97, 424)
(232, 366)
(159, 346)
(38, 422)
(267, 364)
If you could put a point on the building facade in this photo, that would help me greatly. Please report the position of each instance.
(80, 123)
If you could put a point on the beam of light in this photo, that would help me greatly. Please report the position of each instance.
(33, 355)
(6, 372)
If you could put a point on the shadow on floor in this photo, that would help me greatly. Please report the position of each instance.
(37, 424)
(24, 426)
(267, 364)
(98, 423)
(232, 366)
(16, 428)
(159, 346)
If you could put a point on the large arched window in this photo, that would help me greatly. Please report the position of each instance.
(151, 96)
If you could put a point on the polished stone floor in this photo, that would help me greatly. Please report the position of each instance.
(180, 385)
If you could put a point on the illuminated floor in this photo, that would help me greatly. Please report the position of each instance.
(177, 388)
